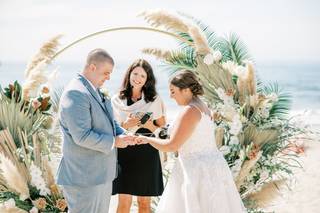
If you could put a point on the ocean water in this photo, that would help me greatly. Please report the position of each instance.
(300, 80)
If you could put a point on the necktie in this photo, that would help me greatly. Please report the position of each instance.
(101, 96)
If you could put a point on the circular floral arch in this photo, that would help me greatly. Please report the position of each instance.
(127, 28)
(252, 131)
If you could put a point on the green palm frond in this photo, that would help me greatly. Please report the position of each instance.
(180, 59)
(281, 108)
(233, 49)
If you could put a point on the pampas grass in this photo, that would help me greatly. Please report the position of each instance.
(199, 40)
(48, 173)
(14, 179)
(242, 89)
(251, 80)
(219, 136)
(47, 50)
(157, 18)
(34, 73)
(158, 53)
(34, 80)
(11, 209)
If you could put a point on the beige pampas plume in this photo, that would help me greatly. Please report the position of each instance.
(34, 73)
(157, 18)
(199, 40)
(13, 178)
(47, 50)
(242, 88)
(6, 208)
(219, 136)
(245, 169)
(48, 174)
(158, 53)
(268, 193)
(170, 21)
(34, 80)
(251, 79)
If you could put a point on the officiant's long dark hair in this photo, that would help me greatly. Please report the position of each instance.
(148, 89)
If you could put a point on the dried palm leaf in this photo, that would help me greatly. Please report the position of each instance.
(245, 169)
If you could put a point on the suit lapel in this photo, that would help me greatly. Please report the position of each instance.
(104, 105)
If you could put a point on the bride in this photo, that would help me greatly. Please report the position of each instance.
(201, 180)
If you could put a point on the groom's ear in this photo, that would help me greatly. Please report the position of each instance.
(92, 67)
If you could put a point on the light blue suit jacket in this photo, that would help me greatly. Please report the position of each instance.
(89, 130)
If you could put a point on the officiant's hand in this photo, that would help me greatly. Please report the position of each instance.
(122, 141)
(149, 125)
(141, 140)
(131, 122)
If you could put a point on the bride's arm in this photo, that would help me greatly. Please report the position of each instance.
(183, 129)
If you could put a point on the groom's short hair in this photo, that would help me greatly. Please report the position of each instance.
(97, 56)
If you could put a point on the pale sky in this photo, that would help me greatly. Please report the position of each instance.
(274, 30)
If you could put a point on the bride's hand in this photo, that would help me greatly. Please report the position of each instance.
(141, 140)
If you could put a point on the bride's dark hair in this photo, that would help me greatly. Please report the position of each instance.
(187, 79)
(149, 89)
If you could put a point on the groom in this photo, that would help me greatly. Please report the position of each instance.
(90, 138)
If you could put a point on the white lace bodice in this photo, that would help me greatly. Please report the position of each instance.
(202, 140)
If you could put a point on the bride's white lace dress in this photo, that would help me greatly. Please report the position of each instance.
(201, 181)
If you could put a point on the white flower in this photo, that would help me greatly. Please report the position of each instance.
(10, 203)
(105, 92)
(228, 112)
(234, 140)
(227, 100)
(217, 56)
(37, 180)
(236, 125)
(264, 175)
(208, 59)
(225, 150)
(34, 210)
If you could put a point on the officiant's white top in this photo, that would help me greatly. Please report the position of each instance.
(122, 110)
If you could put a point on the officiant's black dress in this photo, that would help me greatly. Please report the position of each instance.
(139, 169)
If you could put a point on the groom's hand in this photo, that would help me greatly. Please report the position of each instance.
(122, 141)
(141, 140)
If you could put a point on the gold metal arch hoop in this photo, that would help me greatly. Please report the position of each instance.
(121, 29)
